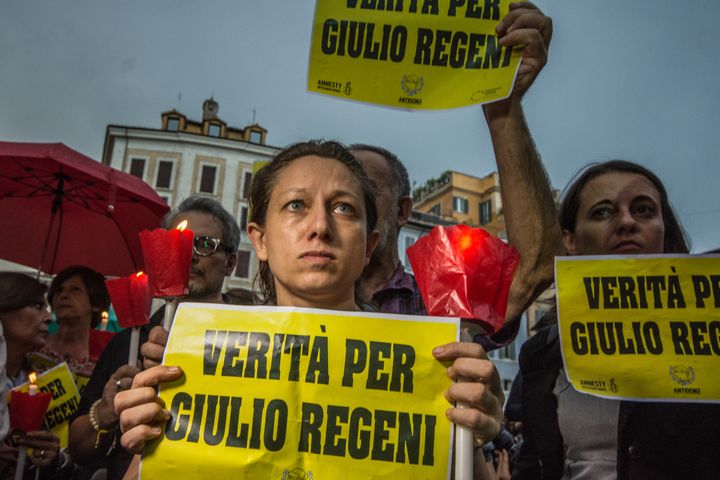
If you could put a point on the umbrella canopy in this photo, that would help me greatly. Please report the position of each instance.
(60, 208)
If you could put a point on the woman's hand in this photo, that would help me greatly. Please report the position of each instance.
(477, 387)
(43, 448)
(142, 413)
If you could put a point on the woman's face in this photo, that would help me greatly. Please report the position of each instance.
(315, 234)
(27, 327)
(620, 213)
(71, 300)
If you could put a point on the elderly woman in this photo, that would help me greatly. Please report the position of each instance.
(78, 298)
(25, 318)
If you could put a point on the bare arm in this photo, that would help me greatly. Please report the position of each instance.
(528, 204)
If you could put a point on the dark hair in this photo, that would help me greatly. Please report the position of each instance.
(264, 182)
(18, 290)
(401, 179)
(94, 284)
(675, 240)
(231, 231)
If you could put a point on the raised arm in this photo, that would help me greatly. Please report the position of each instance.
(528, 205)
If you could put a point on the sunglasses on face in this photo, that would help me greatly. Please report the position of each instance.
(206, 246)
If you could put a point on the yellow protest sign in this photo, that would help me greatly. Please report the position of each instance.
(641, 327)
(280, 393)
(59, 382)
(419, 54)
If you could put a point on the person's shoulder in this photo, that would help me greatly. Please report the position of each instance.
(542, 347)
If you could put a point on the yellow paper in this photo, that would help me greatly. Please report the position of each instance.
(65, 399)
(419, 54)
(641, 328)
(300, 393)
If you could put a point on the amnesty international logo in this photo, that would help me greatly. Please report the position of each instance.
(412, 84)
(682, 375)
(297, 474)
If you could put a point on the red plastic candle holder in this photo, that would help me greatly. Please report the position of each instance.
(464, 272)
(27, 411)
(131, 299)
(168, 255)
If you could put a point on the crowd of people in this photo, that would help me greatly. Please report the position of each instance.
(330, 242)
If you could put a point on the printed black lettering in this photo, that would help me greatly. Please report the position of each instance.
(359, 437)
(577, 338)
(178, 424)
(233, 366)
(258, 346)
(402, 374)
(382, 449)
(214, 341)
(355, 360)
(276, 417)
(312, 420)
(213, 436)
(408, 438)
(378, 352)
(592, 291)
(333, 445)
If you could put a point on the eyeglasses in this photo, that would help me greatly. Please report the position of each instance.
(206, 246)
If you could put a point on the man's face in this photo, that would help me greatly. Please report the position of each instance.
(380, 172)
(206, 273)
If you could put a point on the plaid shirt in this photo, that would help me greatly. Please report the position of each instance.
(400, 295)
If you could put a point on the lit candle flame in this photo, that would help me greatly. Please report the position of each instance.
(104, 315)
(32, 376)
(465, 242)
(139, 274)
(182, 225)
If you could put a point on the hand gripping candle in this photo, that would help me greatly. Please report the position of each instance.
(464, 272)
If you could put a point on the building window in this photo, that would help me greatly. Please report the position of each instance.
(255, 136)
(460, 204)
(435, 210)
(507, 352)
(485, 212)
(247, 181)
(243, 218)
(164, 174)
(242, 270)
(137, 167)
(173, 124)
(507, 384)
(207, 179)
(408, 240)
(214, 130)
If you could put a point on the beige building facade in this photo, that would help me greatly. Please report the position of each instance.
(185, 157)
(474, 201)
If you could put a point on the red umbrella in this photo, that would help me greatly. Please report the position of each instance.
(60, 208)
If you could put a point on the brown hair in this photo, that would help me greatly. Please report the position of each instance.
(675, 240)
(94, 284)
(18, 290)
(264, 182)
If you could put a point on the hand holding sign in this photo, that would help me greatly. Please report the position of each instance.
(526, 25)
(142, 413)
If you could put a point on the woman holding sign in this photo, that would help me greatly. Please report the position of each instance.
(25, 319)
(313, 235)
(616, 207)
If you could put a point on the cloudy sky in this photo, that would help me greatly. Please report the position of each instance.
(635, 80)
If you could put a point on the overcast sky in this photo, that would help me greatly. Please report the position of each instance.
(635, 80)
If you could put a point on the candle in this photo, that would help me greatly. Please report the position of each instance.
(33, 389)
(104, 321)
(464, 272)
(168, 256)
(131, 298)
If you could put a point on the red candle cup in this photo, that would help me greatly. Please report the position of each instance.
(131, 299)
(464, 272)
(168, 255)
(27, 411)
(97, 342)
